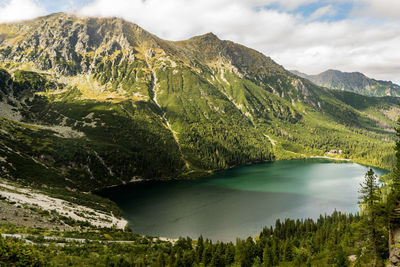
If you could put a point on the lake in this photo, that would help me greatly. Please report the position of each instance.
(239, 202)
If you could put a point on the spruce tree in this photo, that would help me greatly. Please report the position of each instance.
(229, 254)
(161, 260)
(267, 256)
(393, 203)
(394, 196)
(199, 249)
(369, 198)
(395, 192)
(341, 259)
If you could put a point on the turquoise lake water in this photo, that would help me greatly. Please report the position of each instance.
(239, 202)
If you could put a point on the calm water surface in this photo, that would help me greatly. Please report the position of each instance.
(239, 202)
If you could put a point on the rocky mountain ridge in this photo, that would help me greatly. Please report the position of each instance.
(93, 102)
(352, 82)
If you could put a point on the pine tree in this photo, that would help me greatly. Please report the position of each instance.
(171, 259)
(188, 258)
(218, 256)
(207, 254)
(267, 256)
(395, 192)
(199, 249)
(257, 262)
(287, 251)
(178, 260)
(393, 202)
(369, 198)
(340, 258)
(229, 254)
(161, 260)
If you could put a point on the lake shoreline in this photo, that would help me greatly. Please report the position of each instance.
(332, 158)
(218, 207)
(213, 172)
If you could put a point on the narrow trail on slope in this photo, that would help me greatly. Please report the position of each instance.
(270, 140)
(221, 79)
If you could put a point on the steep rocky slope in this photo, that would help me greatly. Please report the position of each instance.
(88, 103)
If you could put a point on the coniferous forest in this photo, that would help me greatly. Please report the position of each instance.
(92, 103)
(332, 240)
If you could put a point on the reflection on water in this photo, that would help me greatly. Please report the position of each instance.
(239, 202)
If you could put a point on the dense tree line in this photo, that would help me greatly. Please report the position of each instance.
(326, 241)
(293, 242)
(134, 135)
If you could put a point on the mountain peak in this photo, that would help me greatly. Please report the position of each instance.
(71, 44)
(339, 72)
(331, 71)
(210, 35)
(206, 37)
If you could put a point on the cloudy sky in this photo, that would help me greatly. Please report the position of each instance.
(307, 35)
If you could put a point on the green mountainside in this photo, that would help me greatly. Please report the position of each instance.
(88, 103)
(352, 82)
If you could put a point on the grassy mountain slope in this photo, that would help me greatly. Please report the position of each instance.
(352, 82)
(87, 103)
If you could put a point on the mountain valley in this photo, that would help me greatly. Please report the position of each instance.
(123, 104)
(94, 104)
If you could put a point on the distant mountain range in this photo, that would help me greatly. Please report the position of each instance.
(87, 103)
(352, 82)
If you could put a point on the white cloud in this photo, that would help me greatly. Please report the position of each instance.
(381, 8)
(293, 41)
(16, 10)
(327, 11)
(291, 4)
(355, 44)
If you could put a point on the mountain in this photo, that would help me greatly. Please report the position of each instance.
(352, 82)
(87, 103)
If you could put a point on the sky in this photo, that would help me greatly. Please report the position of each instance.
(306, 35)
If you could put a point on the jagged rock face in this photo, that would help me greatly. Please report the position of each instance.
(122, 103)
(247, 61)
(69, 45)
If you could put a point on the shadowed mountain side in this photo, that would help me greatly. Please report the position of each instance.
(122, 104)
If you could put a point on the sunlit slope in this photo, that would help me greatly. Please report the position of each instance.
(94, 102)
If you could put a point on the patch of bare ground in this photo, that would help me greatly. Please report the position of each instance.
(57, 209)
(392, 113)
(23, 216)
